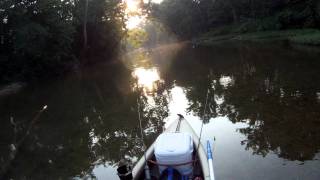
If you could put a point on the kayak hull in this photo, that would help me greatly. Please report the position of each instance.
(184, 126)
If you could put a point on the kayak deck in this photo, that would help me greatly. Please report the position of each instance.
(201, 166)
(154, 169)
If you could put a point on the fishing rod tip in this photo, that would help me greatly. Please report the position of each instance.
(180, 116)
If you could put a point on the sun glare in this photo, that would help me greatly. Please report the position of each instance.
(134, 13)
(134, 21)
(157, 1)
(132, 6)
(146, 78)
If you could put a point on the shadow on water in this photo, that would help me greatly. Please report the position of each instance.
(92, 118)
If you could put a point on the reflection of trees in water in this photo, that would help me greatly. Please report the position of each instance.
(197, 99)
(94, 119)
(285, 124)
(89, 121)
(273, 90)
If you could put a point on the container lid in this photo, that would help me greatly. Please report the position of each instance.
(173, 144)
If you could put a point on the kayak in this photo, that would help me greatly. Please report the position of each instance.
(176, 154)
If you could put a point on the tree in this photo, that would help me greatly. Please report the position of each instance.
(45, 38)
(188, 18)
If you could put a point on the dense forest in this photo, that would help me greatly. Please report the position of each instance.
(50, 37)
(47, 38)
(189, 18)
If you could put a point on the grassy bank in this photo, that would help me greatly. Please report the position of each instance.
(295, 36)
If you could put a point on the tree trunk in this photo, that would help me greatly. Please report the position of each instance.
(85, 19)
(83, 53)
(253, 15)
(233, 11)
(316, 12)
(234, 14)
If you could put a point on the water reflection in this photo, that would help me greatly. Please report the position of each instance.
(278, 104)
(88, 123)
(274, 98)
(178, 104)
(225, 81)
(263, 109)
(147, 79)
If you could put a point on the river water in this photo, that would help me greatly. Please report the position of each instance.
(263, 110)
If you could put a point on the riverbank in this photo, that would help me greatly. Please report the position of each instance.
(294, 36)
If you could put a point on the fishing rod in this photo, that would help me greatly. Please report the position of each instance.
(209, 151)
(146, 168)
(210, 160)
(204, 112)
(125, 172)
(15, 146)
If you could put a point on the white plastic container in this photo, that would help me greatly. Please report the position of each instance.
(174, 148)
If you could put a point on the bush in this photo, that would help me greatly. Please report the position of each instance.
(228, 29)
(307, 39)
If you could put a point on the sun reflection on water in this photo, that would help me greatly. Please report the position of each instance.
(147, 79)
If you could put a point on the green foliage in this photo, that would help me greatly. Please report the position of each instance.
(44, 38)
(183, 17)
(37, 39)
(236, 16)
(301, 36)
(308, 39)
(266, 24)
(157, 34)
(105, 28)
(136, 38)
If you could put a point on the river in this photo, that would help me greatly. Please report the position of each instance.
(263, 110)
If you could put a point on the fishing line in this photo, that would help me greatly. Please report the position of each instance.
(210, 161)
(140, 125)
(147, 173)
(204, 112)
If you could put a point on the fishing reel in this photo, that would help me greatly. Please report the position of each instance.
(124, 171)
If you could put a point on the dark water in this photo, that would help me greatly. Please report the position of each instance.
(263, 110)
